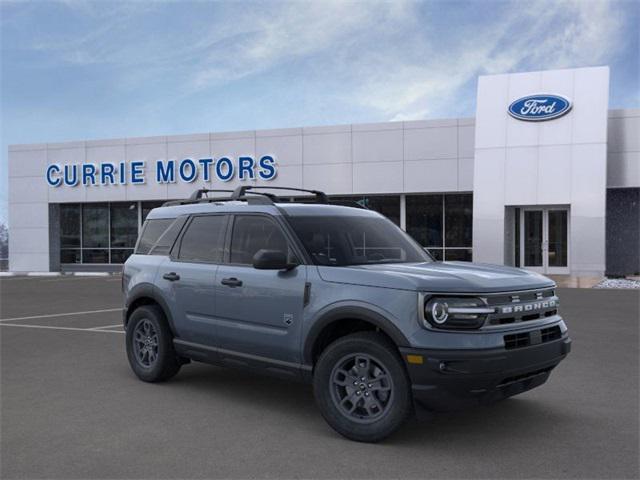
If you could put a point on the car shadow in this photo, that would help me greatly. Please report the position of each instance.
(295, 400)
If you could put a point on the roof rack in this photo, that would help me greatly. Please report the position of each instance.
(198, 194)
(247, 193)
(349, 203)
(198, 197)
(321, 197)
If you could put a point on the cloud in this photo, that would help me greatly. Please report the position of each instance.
(533, 35)
(401, 59)
(295, 31)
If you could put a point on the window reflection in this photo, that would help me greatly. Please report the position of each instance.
(98, 232)
(124, 224)
(387, 205)
(458, 211)
(95, 225)
(442, 223)
(425, 220)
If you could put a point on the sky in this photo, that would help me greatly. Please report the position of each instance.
(75, 70)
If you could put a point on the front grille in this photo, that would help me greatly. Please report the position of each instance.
(528, 296)
(535, 337)
(525, 306)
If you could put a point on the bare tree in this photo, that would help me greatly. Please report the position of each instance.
(4, 241)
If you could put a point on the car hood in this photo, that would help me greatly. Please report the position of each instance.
(456, 277)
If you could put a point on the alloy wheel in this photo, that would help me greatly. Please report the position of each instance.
(361, 388)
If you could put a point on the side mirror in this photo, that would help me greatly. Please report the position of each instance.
(271, 260)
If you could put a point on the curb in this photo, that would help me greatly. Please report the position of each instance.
(58, 274)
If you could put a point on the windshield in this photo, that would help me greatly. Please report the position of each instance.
(355, 240)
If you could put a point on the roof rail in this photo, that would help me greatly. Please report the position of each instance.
(321, 197)
(198, 194)
(349, 203)
(261, 198)
(247, 193)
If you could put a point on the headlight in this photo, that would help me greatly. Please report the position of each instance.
(455, 313)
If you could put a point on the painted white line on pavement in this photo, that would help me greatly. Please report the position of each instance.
(106, 326)
(73, 278)
(33, 317)
(91, 274)
(48, 327)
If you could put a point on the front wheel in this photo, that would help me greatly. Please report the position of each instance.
(362, 388)
(150, 345)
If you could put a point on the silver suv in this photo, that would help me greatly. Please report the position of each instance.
(338, 296)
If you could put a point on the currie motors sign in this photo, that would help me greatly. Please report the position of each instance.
(540, 107)
(187, 170)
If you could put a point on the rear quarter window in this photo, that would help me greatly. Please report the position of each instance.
(158, 236)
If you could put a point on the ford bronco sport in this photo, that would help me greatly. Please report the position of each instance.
(337, 296)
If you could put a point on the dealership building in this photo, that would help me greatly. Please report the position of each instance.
(545, 177)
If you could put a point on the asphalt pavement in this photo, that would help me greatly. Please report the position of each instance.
(71, 407)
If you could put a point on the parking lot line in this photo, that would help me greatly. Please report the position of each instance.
(72, 279)
(51, 315)
(49, 327)
(106, 326)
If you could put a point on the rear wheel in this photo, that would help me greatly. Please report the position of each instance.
(150, 345)
(362, 388)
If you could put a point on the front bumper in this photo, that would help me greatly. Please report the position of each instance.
(451, 379)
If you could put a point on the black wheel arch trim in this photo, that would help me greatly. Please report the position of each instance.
(355, 313)
(147, 290)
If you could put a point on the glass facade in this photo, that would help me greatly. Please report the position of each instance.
(106, 233)
(98, 232)
(387, 205)
(442, 223)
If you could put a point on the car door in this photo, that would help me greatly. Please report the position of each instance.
(187, 278)
(259, 312)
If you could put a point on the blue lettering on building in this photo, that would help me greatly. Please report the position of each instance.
(224, 169)
(205, 164)
(245, 169)
(165, 171)
(185, 170)
(107, 176)
(267, 168)
(53, 172)
(137, 173)
(188, 170)
(88, 174)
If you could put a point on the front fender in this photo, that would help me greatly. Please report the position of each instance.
(365, 312)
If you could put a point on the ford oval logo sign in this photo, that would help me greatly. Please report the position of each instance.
(536, 108)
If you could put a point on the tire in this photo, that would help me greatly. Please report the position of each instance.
(369, 410)
(159, 362)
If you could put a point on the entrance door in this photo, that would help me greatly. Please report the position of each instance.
(544, 239)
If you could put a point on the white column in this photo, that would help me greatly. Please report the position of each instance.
(403, 212)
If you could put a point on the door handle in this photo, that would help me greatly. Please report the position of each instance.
(231, 282)
(171, 276)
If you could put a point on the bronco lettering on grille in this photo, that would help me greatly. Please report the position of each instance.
(528, 307)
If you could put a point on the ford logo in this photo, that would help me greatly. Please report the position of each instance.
(536, 108)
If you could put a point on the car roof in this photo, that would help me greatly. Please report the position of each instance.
(279, 208)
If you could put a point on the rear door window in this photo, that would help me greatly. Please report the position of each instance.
(203, 239)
